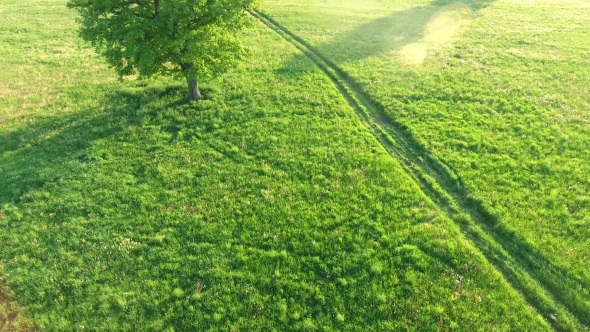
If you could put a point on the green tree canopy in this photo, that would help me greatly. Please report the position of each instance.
(196, 39)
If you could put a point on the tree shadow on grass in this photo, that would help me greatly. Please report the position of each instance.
(54, 147)
(37, 154)
(385, 34)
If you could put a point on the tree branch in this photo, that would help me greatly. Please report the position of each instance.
(198, 21)
(186, 66)
(118, 9)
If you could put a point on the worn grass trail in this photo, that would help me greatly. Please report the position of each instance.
(504, 102)
(553, 292)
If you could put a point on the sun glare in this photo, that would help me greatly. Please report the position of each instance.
(439, 30)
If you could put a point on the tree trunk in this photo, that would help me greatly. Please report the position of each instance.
(193, 86)
(193, 90)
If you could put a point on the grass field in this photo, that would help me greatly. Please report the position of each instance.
(497, 92)
(359, 174)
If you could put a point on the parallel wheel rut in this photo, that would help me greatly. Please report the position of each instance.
(548, 288)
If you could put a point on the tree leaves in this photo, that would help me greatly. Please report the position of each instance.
(150, 37)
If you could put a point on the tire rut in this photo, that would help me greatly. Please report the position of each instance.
(548, 288)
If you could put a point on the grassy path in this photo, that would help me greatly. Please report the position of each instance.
(552, 293)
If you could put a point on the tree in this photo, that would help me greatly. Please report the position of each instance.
(194, 39)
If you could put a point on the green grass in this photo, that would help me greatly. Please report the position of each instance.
(267, 206)
(498, 91)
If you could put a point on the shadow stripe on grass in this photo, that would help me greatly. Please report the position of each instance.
(548, 288)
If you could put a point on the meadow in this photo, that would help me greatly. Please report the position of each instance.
(357, 173)
(495, 95)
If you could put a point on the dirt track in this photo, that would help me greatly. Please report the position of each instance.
(7, 307)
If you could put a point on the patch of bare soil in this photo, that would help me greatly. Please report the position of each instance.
(11, 320)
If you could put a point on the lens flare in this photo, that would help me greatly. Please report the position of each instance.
(440, 30)
(444, 24)
(412, 55)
